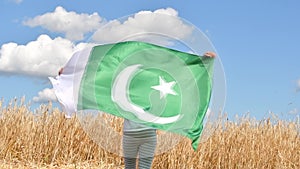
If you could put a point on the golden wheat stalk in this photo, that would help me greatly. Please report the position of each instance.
(45, 139)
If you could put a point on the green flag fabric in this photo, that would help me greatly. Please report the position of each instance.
(159, 87)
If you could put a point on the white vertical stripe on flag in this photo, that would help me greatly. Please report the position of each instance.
(66, 86)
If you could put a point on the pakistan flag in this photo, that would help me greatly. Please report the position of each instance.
(159, 87)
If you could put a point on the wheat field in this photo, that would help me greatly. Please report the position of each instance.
(44, 138)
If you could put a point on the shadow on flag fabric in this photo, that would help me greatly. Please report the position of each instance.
(160, 87)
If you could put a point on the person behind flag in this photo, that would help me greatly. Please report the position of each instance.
(139, 141)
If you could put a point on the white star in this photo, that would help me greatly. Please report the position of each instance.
(165, 87)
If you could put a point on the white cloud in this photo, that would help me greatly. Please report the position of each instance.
(73, 25)
(17, 1)
(41, 58)
(45, 95)
(44, 56)
(298, 85)
(293, 111)
(155, 27)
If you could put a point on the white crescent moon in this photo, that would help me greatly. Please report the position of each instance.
(119, 96)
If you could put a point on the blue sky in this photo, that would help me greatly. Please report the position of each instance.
(256, 41)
